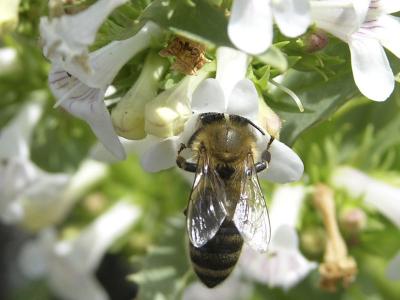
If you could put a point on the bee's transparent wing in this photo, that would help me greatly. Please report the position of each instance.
(251, 213)
(206, 210)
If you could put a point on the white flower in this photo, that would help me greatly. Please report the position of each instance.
(24, 185)
(26, 191)
(66, 38)
(284, 266)
(367, 27)
(56, 194)
(8, 15)
(82, 94)
(250, 24)
(237, 97)
(70, 265)
(393, 269)
(382, 196)
(18, 175)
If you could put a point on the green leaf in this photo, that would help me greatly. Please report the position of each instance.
(275, 58)
(200, 21)
(320, 99)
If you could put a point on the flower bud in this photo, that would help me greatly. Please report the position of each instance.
(313, 241)
(353, 221)
(169, 111)
(128, 116)
(315, 41)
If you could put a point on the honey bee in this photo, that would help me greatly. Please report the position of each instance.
(226, 205)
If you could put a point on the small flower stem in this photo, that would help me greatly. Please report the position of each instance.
(290, 93)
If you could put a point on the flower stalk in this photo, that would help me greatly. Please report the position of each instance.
(337, 265)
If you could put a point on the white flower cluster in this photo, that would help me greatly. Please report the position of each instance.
(154, 126)
(365, 25)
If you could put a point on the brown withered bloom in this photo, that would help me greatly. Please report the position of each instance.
(337, 265)
(189, 55)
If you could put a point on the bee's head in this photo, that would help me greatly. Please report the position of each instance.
(229, 144)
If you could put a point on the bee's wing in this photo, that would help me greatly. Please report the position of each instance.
(206, 210)
(251, 213)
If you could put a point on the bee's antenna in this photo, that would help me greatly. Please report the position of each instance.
(270, 142)
(256, 127)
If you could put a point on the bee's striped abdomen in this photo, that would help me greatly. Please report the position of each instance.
(214, 261)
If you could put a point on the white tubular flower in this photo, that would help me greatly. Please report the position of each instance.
(16, 170)
(56, 194)
(250, 24)
(24, 185)
(70, 265)
(8, 15)
(285, 266)
(380, 195)
(128, 116)
(393, 269)
(82, 94)
(367, 27)
(66, 38)
(166, 115)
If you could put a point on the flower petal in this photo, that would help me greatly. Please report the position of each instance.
(161, 156)
(65, 39)
(87, 104)
(386, 6)
(208, 97)
(57, 193)
(292, 16)
(139, 147)
(371, 69)
(71, 285)
(339, 20)
(231, 67)
(285, 268)
(287, 201)
(250, 25)
(382, 196)
(285, 236)
(285, 165)
(243, 100)
(388, 27)
(92, 243)
(15, 137)
(106, 62)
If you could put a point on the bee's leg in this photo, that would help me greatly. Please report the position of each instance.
(183, 163)
(265, 160)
